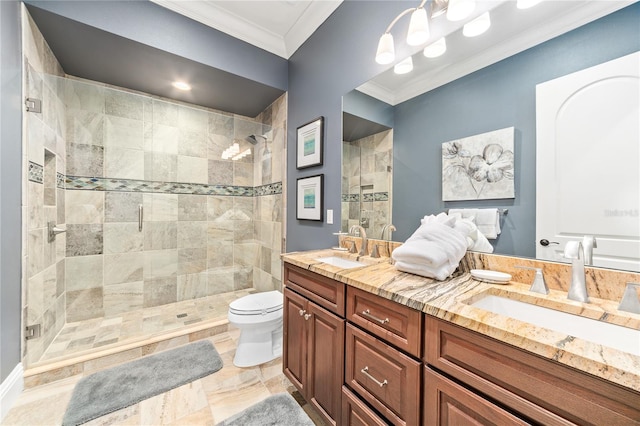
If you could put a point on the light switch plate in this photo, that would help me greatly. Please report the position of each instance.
(330, 216)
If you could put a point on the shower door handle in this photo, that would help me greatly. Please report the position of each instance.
(140, 216)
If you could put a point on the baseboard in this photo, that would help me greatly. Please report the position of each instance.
(10, 390)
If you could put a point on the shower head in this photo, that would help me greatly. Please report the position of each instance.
(254, 139)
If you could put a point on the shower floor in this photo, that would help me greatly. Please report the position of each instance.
(99, 333)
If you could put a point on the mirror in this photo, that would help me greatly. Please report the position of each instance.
(367, 164)
(490, 96)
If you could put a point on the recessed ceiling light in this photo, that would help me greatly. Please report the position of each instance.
(181, 85)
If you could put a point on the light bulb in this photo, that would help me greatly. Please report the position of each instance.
(418, 28)
(460, 9)
(181, 85)
(404, 66)
(436, 48)
(477, 26)
(385, 53)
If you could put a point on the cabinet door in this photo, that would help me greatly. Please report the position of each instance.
(448, 403)
(325, 361)
(294, 356)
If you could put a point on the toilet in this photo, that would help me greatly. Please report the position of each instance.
(259, 318)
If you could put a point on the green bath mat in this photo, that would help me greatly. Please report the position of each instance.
(115, 388)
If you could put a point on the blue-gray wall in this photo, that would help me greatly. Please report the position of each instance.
(337, 58)
(499, 96)
(146, 22)
(367, 107)
(10, 185)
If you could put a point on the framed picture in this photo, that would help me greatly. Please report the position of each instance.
(479, 167)
(309, 202)
(309, 144)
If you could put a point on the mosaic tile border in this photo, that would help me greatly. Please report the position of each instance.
(60, 180)
(133, 185)
(36, 172)
(376, 196)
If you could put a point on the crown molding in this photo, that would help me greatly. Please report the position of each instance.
(214, 16)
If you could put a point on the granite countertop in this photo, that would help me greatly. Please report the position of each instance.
(446, 300)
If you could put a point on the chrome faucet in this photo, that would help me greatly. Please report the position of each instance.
(363, 235)
(390, 227)
(630, 301)
(539, 285)
(588, 244)
(578, 289)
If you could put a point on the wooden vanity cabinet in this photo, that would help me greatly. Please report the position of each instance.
(313, 347)
(531, 387)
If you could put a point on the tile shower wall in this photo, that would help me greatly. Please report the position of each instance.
(199, 229)
(269, 180)
(210, 225)
(366, 182)
(43, 263)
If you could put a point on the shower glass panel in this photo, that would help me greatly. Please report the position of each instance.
(154, 213)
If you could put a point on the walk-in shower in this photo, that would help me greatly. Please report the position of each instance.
(155, 231)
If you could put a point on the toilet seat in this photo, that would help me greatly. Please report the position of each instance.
(257, 304)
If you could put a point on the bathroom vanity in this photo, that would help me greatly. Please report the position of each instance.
(371, 346)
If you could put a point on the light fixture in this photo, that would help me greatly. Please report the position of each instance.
(404, 66)
(526, 4)
(418, 33)
(418, 28)
(386, 53)
(438, 7)
(477, 26)
(181, 85)
(436, 48)
(460, 9)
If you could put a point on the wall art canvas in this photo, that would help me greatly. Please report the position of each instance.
(309, 144)
(309, 202)
(479, 167)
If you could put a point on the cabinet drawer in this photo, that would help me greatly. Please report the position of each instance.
(357, 413)
(448, 403)
(392, 322)
(538, 388)
(383, 376)
(328, 293)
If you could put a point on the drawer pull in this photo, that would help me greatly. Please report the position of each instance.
(301, 312)
(366, 313)
(365, 371)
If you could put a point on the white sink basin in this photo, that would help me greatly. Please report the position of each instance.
(606, 334)
(340, 262)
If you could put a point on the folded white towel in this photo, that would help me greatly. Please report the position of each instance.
(434, 250)
(432, 244)
(487, 220)
(440, 274)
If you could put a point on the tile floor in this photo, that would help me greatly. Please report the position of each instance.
(206, 401)
(100, 332)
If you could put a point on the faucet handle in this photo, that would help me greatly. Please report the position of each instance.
(630, 301)
(353, 248)
(572, 249)
(539, 285)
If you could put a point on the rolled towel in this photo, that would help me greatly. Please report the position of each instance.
(440, 273)
(487, 220)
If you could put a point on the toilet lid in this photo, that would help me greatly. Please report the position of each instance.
(257, 303)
